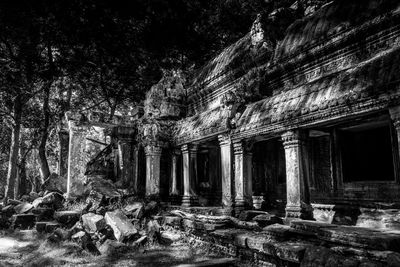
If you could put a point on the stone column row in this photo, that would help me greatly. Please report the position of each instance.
(243, 176)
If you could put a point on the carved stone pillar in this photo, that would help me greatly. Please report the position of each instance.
(153, 156)
(226, 170)
(126, 163)
(189, 156)
(395, 116)
(134, 184)
(298, 200)
(174, 171)
(77, 159)
(243, 176)
(63, 153)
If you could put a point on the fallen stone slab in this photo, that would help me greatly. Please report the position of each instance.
(134, 210)
(52, 226)
(41, 226)
(121, 225)
(53, 199)
(67, 217)
(247, 215)
(172, 221)
(224, 262)
(23, 221)
(352, 236)
(93, 222)
(287, 251)
(102, 188)
(13, 202)
(113, 247)
(267, 219)
(277, 231)
(86, 242)
(23, 208)
(321, 256)
(76, 228)
(37, 202)
(170, 236)
(8, 210)
(43, 214)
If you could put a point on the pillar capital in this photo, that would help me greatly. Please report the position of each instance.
(76, 128)
(124, 134)
(242, 147)
(293, 138)
(189, 148)
(224, 139)
(395, 116)
(152, 150)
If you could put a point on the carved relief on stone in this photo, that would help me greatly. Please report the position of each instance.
(165, 99)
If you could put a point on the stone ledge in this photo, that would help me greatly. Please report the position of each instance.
(352, 236)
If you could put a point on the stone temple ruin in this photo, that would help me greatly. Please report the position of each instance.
(303, 122)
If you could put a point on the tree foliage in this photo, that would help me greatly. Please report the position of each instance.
(65, 55)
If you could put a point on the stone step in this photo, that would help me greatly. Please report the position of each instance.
(351, 236)
(23, 221)
(46, 226)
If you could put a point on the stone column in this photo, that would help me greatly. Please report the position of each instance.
(189, 156)
(126, 162)
(153, 156)
(243, 176)
(63, 153)
(395, 116)
(77, 159)
(226, 170)
(298, 200)
(174, 171)
(125, 137)
(134, 183)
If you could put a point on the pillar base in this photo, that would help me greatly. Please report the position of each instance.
(175, 199)
(189, 201)
(240, 205)
(299, 212)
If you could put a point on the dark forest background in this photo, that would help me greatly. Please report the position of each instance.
(63, 55)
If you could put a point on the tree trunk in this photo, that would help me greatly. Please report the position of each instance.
(14, 148)
(44, 165)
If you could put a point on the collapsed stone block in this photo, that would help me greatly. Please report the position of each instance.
(173, 221)
(93, 222)
(121, 225)
(8, 210)
(267, 219)
(52, 226)
(23, 221)
(84, 239)
(43, 213)
(53, 199)
(136, 210)
(23, 208)
(113, 247)
(67, 217)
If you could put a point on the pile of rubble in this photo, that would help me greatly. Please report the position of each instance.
(103, 220)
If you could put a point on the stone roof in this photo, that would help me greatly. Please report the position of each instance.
(201, 125)
(332, 19)
(372, 80)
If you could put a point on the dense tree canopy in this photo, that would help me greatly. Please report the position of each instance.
(65, 55)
